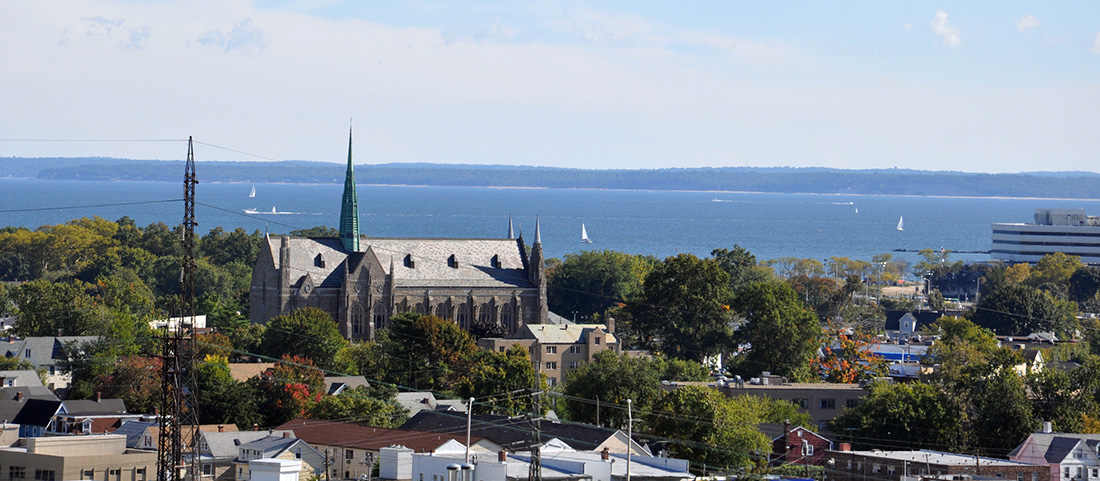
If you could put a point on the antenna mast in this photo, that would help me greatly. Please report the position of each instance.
(179, 405)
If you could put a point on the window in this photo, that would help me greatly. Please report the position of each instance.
(551, 349)
(44, 475)
(297, 453)
(87, 474)
(574, 365)
(501, 348)
(28, 353)
(577, 350)
(828, 404)
(851, 403)
(1080, 471)
(849, 464)
(349, 454)
(807, 449)
(875, 468)
(527, 312)
(1019, 476)
(1067, 473)
(890, 470)
(207, 470)
(551, 365)
(139, 474)
(802, 403)
(597, 341)
(552, 381)
(19, 472)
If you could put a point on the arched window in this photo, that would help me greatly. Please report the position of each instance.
(484, 314)
(463, 316)
(420, 308)
(506, 319)
(442, 312)
(379, 317)
(358, 316)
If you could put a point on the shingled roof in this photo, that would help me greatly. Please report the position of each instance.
(351, 435)
(510, 432)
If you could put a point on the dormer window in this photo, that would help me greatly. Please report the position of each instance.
(452, 261)
(495, 262)
(319, 261)
(409, 262)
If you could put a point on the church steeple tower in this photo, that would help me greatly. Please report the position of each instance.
(349, 210)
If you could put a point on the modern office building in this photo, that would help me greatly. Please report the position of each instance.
(1070, 231)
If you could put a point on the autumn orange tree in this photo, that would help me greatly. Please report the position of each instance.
(846, 357)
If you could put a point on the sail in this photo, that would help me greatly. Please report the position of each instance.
(584, 235)
(253, 193)
(901, 223)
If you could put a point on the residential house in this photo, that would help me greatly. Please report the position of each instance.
(285, 447)
(799, 445)
(219, 450)
(56, 458)
(904, 325)
(338, 384)
(44, 353)
(423, 400)
(846, 465)
(1068, 456)
(518, 432)
(352, 448)
(146, 434)
(243, 371)
(556, 349)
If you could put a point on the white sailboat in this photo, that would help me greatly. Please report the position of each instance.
(253, 193)
(901, 223)
(584, 235)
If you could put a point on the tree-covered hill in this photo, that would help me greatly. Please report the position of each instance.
(752, 179)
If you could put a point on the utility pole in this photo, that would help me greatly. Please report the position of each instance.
(535, 472)
(629, 436)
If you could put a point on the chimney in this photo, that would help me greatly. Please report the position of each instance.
(221, 428)
(286, 434)
(19, 396)
(610, 325)
(502, 457)
(605, 454)
(1047, 427)
(98, 396)
(255, 427)
(845, 447)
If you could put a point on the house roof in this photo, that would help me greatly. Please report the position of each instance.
(1054, 446)
(93, 407)
(923, 318)
(37, 412)
(133, 431)
(509, 432)
(337, 384)
(271, 445)
(21, 378)
(243, 371)
(44, 351)
(938, 458)
(351, 435)
(29, 392)
(225, 444)
(565, 333)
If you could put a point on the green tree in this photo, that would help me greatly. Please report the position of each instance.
(289, 389)
(708, 428)
(1003, 415)
(611, 378)
(357, 405)
(684, 308)
(308, 332)
(590, 283)
(908, 416)
(136, 380)
(495, 376)
(426, 352)
(319, 231)
(782, 337)
(223, 248)
(1084, 283)
(44, 308)
(1018, 309)
(223, 400)
(741, 266)
(1053, 272)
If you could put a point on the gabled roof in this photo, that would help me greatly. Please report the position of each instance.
(92, 407)
(510, 432)
(1053, 446)
(224, 445)
(564, 334)
(37, 412)
(133, 431)
(21, 378)
(337, 384)
(44, 351)
(271, 445)
(29, 392)
(351, 435)
(796, 430)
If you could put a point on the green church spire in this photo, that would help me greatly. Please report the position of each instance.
(349, 210)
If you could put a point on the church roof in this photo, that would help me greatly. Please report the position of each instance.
(416, 262)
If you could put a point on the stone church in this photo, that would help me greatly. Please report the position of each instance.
(362, 281)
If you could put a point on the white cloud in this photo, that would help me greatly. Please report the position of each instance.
(907, 27)
(244, 38)
(1027, 22)
(943, 28)
(1096, 45)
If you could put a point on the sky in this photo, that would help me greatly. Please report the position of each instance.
(977, 86)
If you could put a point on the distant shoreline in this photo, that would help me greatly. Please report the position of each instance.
(608, 189)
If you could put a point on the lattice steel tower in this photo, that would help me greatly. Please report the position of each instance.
(179, 416)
